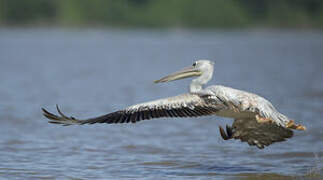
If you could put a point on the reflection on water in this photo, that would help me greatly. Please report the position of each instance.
(92, 72)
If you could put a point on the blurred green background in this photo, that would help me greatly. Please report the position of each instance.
(164, 13)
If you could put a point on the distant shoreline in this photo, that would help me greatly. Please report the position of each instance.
(181, 14)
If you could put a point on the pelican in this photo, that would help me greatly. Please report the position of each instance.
(256, 121)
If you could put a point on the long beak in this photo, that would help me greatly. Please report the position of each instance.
(185, 73)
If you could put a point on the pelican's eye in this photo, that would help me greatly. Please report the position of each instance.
(194, 64)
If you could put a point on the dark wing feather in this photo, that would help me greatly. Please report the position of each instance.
(259, 134)
(185, 105)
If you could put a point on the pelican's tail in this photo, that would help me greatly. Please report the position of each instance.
(63, 120)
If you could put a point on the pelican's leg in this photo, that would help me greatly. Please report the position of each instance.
(226, 135)
(291, 124)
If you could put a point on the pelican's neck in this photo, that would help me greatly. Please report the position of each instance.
(195, 86)
(197, 83)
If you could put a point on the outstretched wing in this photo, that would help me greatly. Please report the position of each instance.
(185, 105)
(256, 134)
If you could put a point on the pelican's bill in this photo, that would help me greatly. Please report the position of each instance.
(185, 73)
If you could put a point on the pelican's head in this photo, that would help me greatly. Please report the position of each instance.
(201, 68)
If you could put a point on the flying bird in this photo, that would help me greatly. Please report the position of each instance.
(256, 121)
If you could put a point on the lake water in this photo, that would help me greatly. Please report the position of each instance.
(95, 71)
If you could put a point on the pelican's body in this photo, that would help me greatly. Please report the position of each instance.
(256, 120)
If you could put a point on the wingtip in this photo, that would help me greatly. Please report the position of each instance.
(61, 118)
(44, 110)
(58, 110)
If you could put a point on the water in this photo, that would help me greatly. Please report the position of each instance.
(92, 72)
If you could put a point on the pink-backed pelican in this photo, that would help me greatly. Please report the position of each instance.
(256, 121)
